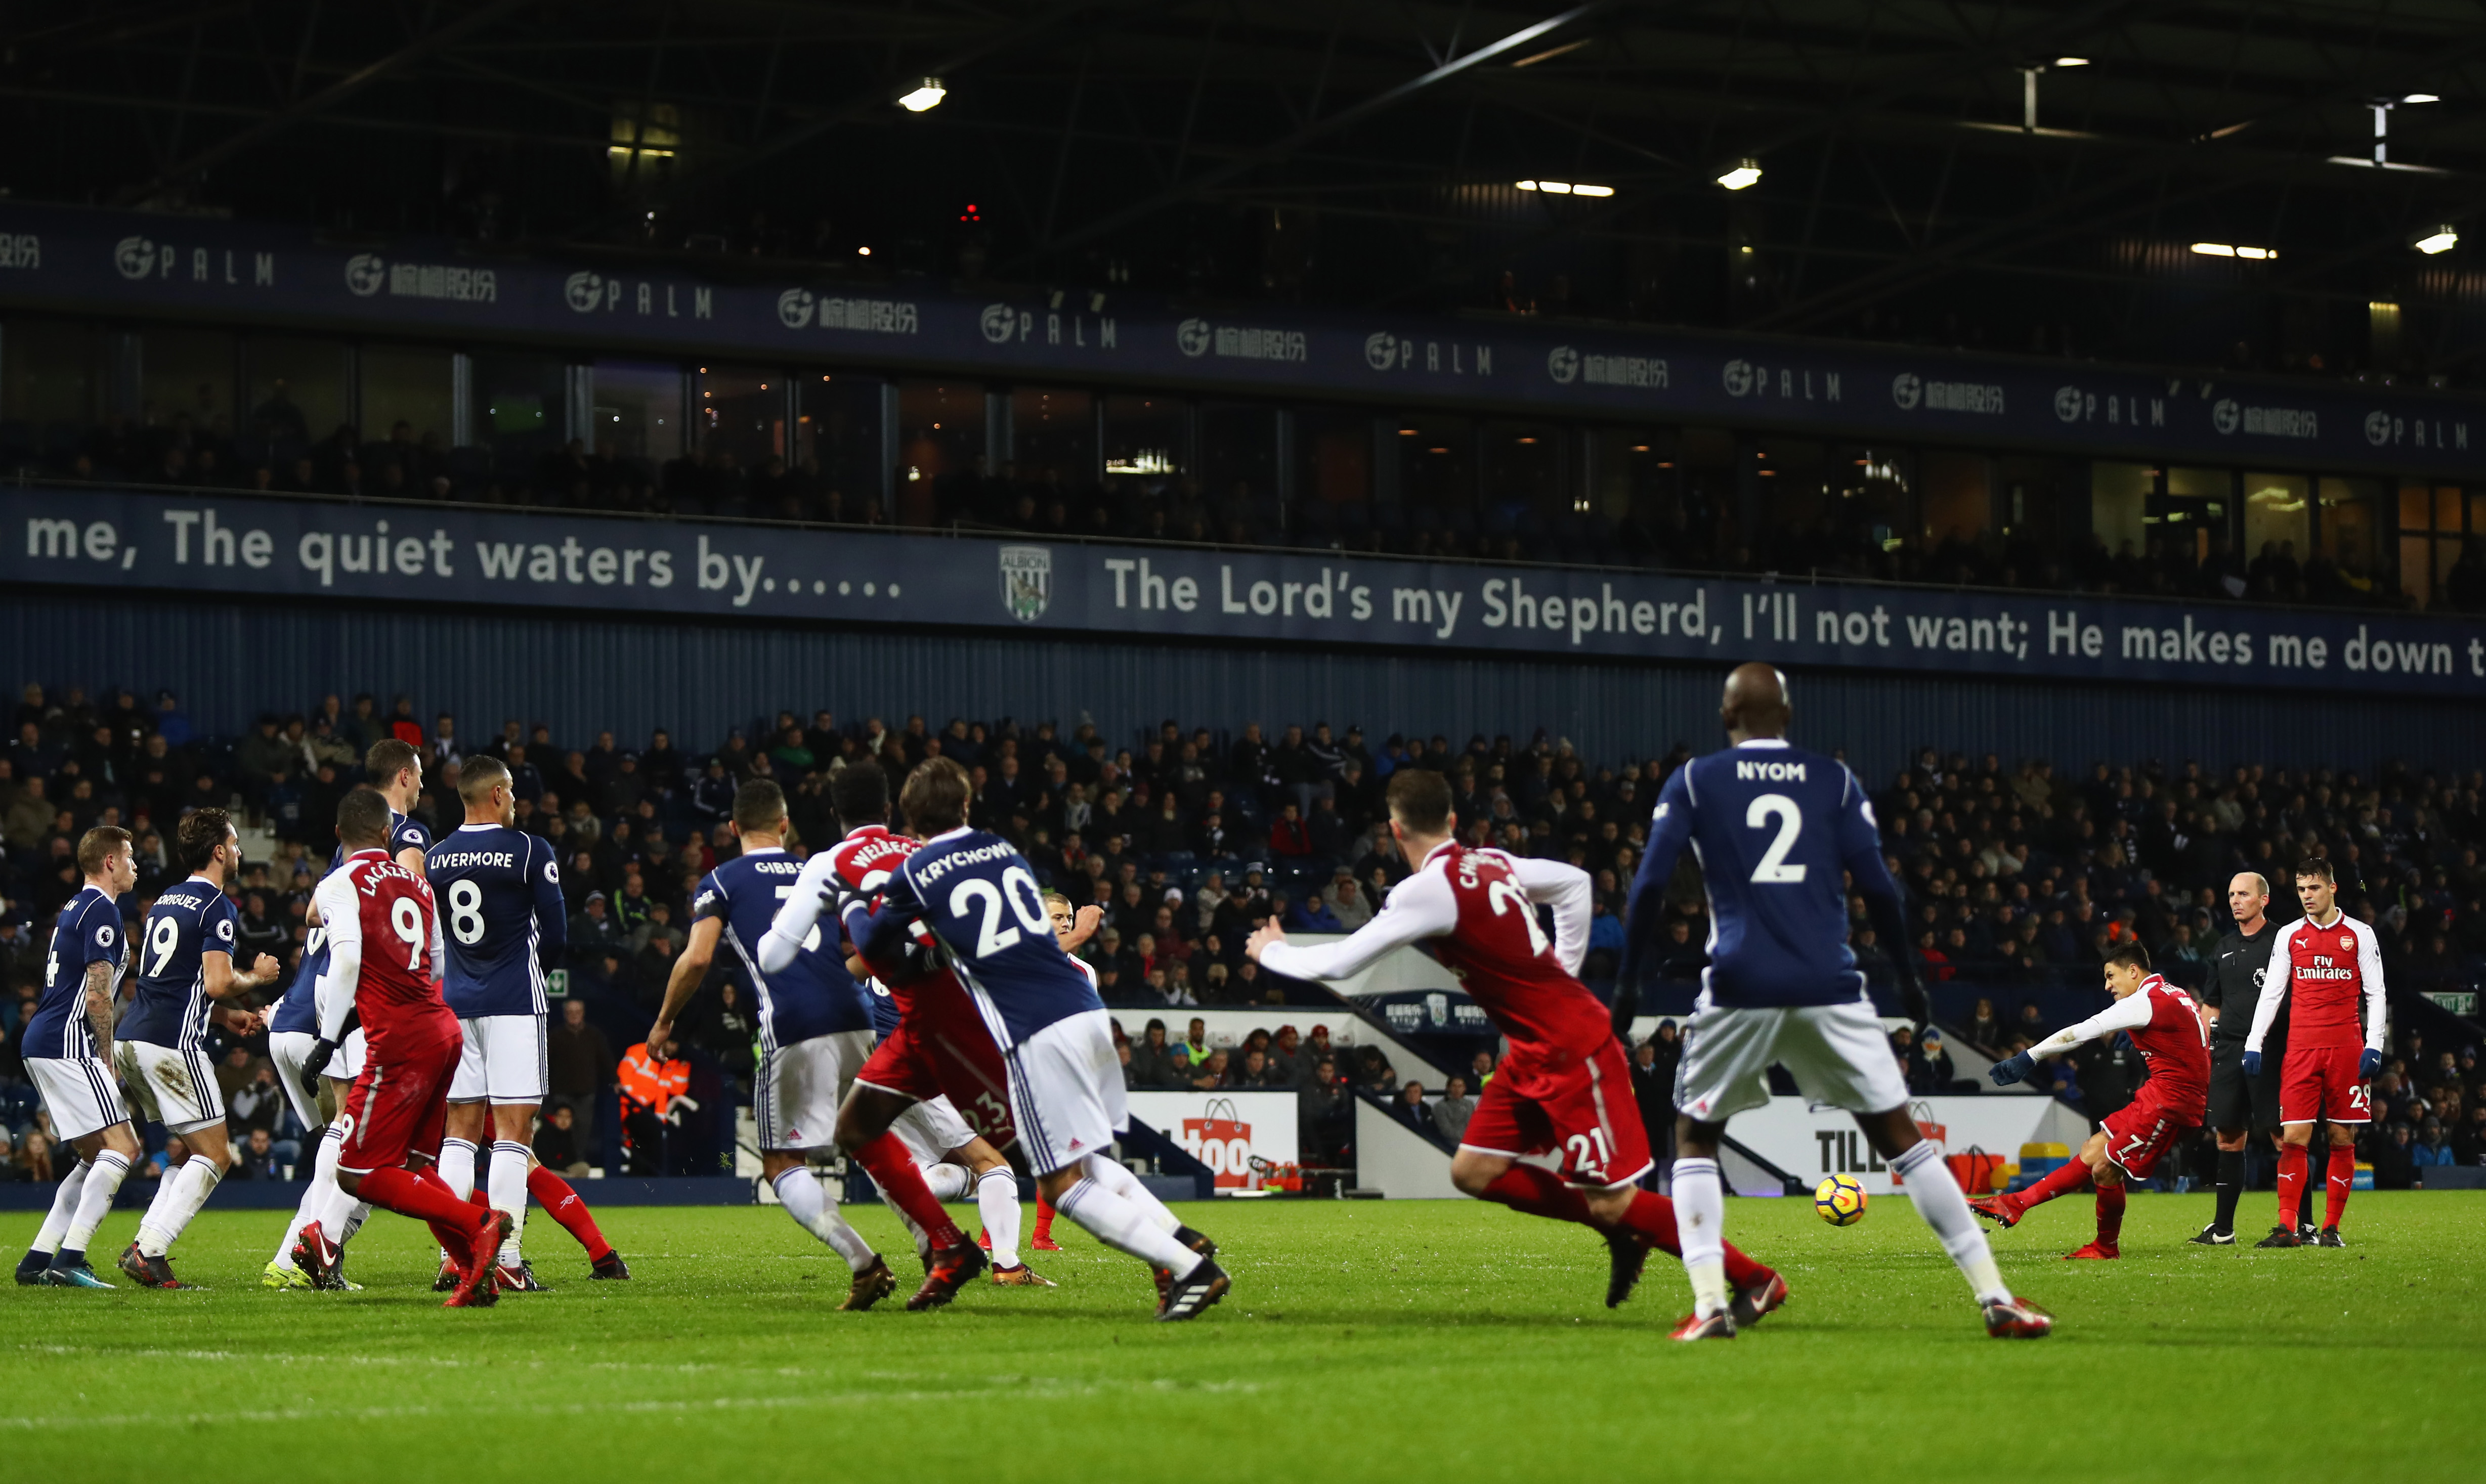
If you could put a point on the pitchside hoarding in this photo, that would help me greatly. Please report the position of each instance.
(102, 539)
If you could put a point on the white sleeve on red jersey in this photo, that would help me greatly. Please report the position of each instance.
(1419, 907)
(439, 940)
(341, 913)
(2276, 981)
(2128, 1013)
(2370, 973)
(1570, 893)
(799, 912)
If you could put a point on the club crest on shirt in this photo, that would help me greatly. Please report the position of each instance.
(1027, 581)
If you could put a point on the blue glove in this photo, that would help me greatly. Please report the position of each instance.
(2252, 1063)
(2368, 1064)
(2011, 1069)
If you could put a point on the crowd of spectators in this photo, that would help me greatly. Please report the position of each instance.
(2018, 879)
(1696, 524)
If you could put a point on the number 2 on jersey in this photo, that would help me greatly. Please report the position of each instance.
(1506, 896)
(1774, 869)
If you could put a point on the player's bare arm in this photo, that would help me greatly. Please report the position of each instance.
(99, 1008)
(689, 970)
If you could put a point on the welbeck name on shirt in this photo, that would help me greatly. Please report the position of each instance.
(260, 547)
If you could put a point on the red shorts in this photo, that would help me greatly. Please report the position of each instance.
(942, 1047)
(397, 1106)
(1584, 1111)
(2317, 1083)
(2142, 1130)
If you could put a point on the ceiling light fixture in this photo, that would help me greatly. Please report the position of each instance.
(2071, 61)
(2224, 250)
(1746, 173)
(927, 96)
(2421, 97)
(2442, 239)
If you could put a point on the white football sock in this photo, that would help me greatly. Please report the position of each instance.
(457, 1166)
(64, 1204)
(1115, 1177)
(808, 1202)
(316, 1196)
(1124, 1226)
(354, 1219)
(102, 1182)
(947, 1182)
(165, 1222)
(161, 1207)
(508, 1190)
(997, 1201)
(1701, 1222)
(1937, 1197)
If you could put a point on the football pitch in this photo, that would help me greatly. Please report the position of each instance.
(1405, 1341)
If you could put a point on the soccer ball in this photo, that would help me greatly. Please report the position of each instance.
(1839, 1200)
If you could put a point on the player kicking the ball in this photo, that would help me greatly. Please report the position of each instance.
(2324, 965)
(1564, 1087)
(1774, 828)
(2166, 1027)
(385, 959)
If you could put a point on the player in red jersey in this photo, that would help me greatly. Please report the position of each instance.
(2165, 1026)
(385, 963)
(1564, 1086)
(2331, 965)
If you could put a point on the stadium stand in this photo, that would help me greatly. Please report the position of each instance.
(2020, 877)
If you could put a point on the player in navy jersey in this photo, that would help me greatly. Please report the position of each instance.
(185, 982)
(815, 1025)
(505, 925)
(68, 1047)
(395, 768)
(1777, 832)
(978, 895)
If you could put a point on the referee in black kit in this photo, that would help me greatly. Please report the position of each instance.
(2241, 1106)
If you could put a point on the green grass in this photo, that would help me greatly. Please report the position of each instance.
(1404, 1341)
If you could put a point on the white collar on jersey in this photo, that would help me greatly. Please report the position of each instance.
(1764, 742)
(764, 850)
(463, 828)
(950, 834)
(1436, 850)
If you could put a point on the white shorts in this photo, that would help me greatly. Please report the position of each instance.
(931, 1129)
(289, 1048)
(799, 1087)
(1837, 1054)
(175, 1086)
(1065, 1085)
(80, 1093)
(507, 1059)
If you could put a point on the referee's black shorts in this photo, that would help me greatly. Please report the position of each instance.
(2238, 1101)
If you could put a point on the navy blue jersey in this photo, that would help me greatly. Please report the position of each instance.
(978, 894)
(299, 1010)
(811, 997)
(168, 1005)
(88, 932)
(1772, 827)
(501, 908)
(884, 1010)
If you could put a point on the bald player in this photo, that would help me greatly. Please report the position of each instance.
(1776, 830)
